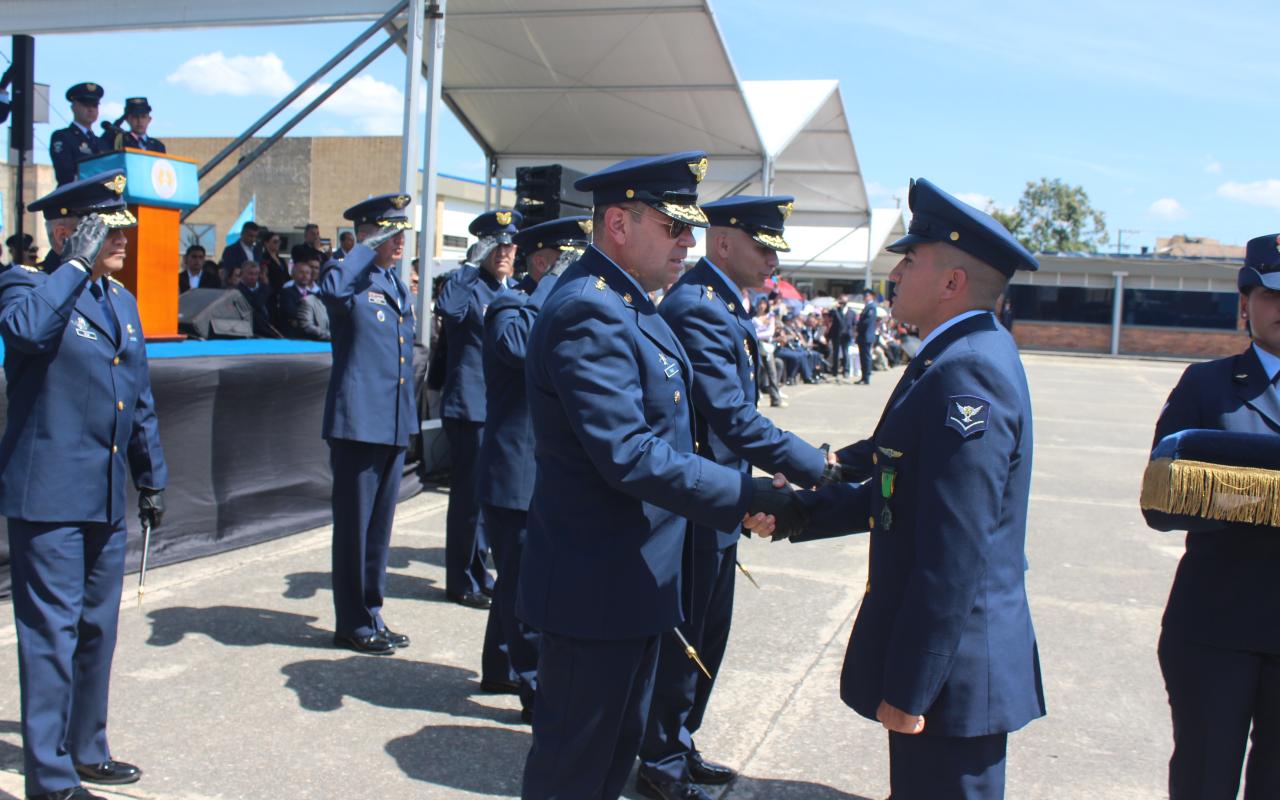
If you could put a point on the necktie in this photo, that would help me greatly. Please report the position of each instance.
(98, 294)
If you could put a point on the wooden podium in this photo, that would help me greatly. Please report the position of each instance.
(158, 187)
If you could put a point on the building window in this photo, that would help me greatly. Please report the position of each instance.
(1061, 303)
(203, 234)
(459, 242)
(1174, 309)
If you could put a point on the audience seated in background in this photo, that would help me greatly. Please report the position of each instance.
(305, 265)
(312, 319)
(274, 271)
(231, 279)
(258, 293)
(346, 241)
(197, 272)
(244, 250)
(311, 239)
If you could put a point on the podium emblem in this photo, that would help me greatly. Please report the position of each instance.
(164, 179)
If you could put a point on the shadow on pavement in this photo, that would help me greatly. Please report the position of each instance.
(471, 759)
(237, 626)
(304, 585)
(401, 557)
(389, 682)
(748, 788)
(10, 754)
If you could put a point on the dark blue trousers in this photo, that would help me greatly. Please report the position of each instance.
(507, 529)
(465, 542)
(681, 691)
(366, 485)
(66, 601)
(1216, 695)
(589, 714)
(864, 359)
(924, 767)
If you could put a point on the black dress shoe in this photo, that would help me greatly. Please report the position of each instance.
(72, 793)
(499, 687)
(702, 771)
(470, 599)
(374, 644)
(663, 789)
(112, 773)
(396, 639)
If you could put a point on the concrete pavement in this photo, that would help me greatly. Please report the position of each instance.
(226, 684)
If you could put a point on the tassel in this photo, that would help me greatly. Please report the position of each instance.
(1248, 495)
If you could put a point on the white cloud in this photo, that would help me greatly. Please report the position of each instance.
(1256, 193)
(218, 73)
(377, 108)
(110, 110)
(1212, 166)
(976, 199)
(1167, 208)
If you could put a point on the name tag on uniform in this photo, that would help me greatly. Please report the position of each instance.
(377, 298)
(83, 331)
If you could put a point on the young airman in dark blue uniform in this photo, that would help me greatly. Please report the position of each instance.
(710, 316)
(463, 299)
(137, 112)
(1220, 644)
(77, 141)
(943, 652)
(80, 418)
(505, 466)
(616, 480)
(865, 334)
(369, 415)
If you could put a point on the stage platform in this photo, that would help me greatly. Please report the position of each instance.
(240, 425)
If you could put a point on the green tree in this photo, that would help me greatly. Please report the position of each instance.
(1053, 216)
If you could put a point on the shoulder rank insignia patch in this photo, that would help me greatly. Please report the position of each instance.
(967, 414)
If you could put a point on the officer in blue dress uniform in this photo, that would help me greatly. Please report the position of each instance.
(463, 299)
(616, 480)
(943, 652)
(76, 141)
(137, 112)
(1220, 645)
(865, 334)
(80, 418)
(369, 415)
(710, 316)
(505, 464)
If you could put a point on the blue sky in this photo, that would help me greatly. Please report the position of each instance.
(1166, 112)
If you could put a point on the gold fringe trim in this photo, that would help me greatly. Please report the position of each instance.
(1212, 491)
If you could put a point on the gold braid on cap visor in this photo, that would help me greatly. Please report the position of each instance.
(690, 214)
(401, 224)
(119, 218)
(773, 241)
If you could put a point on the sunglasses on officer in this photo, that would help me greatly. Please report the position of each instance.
(675, 228)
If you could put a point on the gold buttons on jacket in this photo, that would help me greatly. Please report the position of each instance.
(115, 361)
(402, 380)
(119, 405)
(401, 340)
(871, 523)
(114, 449)
(401, 359)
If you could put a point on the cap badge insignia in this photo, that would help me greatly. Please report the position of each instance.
(1278, 244)
(116, 184)
(786, 210)
(503, 217)
(92, 87)
(699, 169)
(585, 225)
(400, 201)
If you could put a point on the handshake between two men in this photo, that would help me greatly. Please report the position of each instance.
(776, 510)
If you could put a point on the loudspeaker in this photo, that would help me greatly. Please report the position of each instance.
(215, 314)
(546, 193)
(22, 73)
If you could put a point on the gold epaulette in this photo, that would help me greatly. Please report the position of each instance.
(1249, 495)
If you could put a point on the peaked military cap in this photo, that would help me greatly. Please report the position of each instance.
(89, 93)
(938, 217)
(502, 225)
(101, 194)
(385, 210)
(27, 241)
(762, 217)
(668, 183)
(1261, 263)
(136, 105)
(563, 234)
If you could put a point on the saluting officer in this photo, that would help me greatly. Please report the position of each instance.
(1220, 644)
(369, 415)
(505, 467)
(137, 112)
(711, 316)
(461, 305)
(943, 653)
(80, 415)
(77, 141)
(616, 480)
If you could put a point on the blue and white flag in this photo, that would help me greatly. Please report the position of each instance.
(247, 215)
